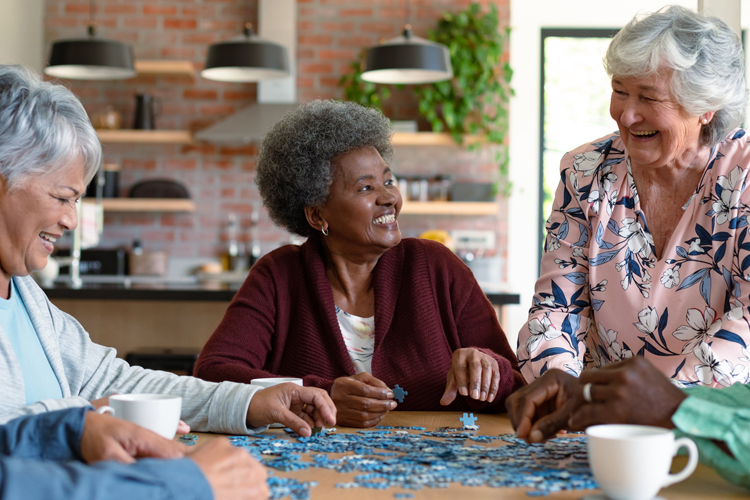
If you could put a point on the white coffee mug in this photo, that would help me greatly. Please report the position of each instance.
(157, 412)
(270, 382)
(631, 462)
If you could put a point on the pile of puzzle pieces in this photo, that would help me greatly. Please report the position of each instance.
(392, 457)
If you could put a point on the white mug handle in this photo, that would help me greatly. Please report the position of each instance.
(692, 461)
(106, 409)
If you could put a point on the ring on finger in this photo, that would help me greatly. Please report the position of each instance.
(587, 393)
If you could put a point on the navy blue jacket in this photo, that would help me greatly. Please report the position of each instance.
(40, 458)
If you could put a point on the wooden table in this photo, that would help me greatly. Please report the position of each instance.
(703, 484)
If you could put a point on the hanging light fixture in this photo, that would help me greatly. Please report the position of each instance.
(91, 58)
(408, 59)
(247, 58)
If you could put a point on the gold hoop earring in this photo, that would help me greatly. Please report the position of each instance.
(324, 231)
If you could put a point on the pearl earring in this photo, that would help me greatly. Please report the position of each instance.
(703, 121)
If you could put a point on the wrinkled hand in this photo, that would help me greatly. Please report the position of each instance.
(542, 409)
(232, 473)
(630, 392)
(472, 373)
(108, 438)
(182, 428)
(98, 403)
(299, 408)
(362, 400)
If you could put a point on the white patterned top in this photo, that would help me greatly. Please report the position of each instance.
(359, 337)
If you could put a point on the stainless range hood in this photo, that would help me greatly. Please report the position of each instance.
(246, 126)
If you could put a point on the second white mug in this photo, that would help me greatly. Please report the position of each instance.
(156, 412)
(270, 382)
(632, 462)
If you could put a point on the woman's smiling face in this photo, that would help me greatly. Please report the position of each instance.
(361, 213)
(34, 214)
(656, 129)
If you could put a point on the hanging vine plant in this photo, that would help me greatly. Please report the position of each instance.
(475, 100)
(362, 92)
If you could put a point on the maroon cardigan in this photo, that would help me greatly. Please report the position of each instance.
(282, 322)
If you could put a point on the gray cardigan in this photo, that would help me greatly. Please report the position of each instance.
(88, 371)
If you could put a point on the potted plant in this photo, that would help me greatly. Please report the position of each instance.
(475, 100)
(359, 91)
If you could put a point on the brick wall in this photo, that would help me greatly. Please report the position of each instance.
(221, 179)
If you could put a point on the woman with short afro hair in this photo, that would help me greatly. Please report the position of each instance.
(357, 310)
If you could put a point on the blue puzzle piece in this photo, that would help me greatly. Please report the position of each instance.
(399, 393)
(468, 419)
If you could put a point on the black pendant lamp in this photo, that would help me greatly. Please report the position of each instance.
(247, 58)
(91, 58)
(408, 59)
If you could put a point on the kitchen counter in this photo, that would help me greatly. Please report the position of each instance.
(189, 289)
(208, 292)
(136, 313)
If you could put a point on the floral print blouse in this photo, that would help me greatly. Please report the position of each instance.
(603, 296)
(359, 338)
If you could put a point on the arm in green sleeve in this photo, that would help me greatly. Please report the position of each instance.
(708, 415)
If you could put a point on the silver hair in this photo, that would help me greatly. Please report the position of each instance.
(294, 165)
(43, 127)
(704, 55)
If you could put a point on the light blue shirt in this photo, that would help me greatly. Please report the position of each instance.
(39, 379)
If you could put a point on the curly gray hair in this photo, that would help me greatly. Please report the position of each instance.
(704, 55)
(294, 165)
(43, 127)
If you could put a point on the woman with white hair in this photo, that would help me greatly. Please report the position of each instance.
(48, 153)
(647, 250)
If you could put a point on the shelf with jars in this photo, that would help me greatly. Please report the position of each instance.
(165, 68)
(429, 139)
(145, 136)
(449, 208)
(145, 204)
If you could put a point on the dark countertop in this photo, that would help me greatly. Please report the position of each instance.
(220, 292)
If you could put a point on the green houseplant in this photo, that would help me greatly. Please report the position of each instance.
(360, 91)
(475, 100)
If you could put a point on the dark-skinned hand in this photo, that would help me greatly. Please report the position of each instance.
(109, 438)
(542, 409)
(472, 373)
(299, 408)
(361, 400)
(631, 392)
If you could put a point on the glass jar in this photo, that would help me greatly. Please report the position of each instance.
(439, 188)
(419, 189)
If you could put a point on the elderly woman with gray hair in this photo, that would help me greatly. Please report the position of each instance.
(48, 153)
(357, 310)
(647, 251)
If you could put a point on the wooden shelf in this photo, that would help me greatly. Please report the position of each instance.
(449, 208)
(146, 204)
(186, 137)
(169, 68)
(429, 139)
(145, 136)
